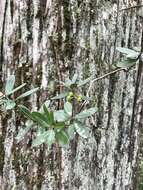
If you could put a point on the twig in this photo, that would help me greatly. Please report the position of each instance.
(132, 7)
(99, 78)
(102, 77)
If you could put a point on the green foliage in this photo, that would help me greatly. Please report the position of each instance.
(7, 100)
(126, 63)
(61, 116)
(9, 84)
(81, 129)
(131, 57)
(68, 108)
(58, 126)
(70, 85)
(53, 125)
(86, 113)
(62, 137)
(27, 93)
(60, 96)
(9, 104)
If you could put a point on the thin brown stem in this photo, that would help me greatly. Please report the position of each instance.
(107, 74)
(132, 7)
(97, 79)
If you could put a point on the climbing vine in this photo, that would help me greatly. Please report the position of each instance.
(60, 126)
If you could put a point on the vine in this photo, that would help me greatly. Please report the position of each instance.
(59, 126)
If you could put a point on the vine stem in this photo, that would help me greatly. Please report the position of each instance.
(132, 7)
(97, 79)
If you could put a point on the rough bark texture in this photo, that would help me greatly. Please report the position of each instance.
(44, 40)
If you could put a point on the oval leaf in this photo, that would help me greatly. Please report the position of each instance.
(62, 95)
(125, 50)
(133, 56)
(26, 112)
(86, 113)
(126, 63)
(71, 131)
(81, 129)
(62, 137)
(60, 116)
(46, 103)
(40, 119)
(16, 89)
(40, 139)
(27, 93)
(50, 137)
(74, 79)
(68, 108)
(9, 84)
(10, 104)
(59, 126)
(68, 82)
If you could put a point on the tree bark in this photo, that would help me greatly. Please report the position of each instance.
(44, 40)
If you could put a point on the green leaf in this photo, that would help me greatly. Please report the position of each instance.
(16, 89)
(86, 113)
(49, 115)
(60, 116)
(50, 137)
(126, 63)
(26, 112)
(40, 139)
(81, 83)
(27, 93)
(23, 132)
(46, 103)
(71, 131)
(46, 111)
(9, 84)
(59, 126)
(40, 130)
(60, 96)
(81, 129)
(62, 137)
(74, 79)
(68, 108)
(133, 56)
(68, 82)
(10, 104)
(125, 50)
(41, 119)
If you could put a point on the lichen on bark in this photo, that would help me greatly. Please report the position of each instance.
(43, 41)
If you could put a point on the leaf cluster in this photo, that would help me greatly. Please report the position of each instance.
(58, 126)
(7, 100)
(131, 57)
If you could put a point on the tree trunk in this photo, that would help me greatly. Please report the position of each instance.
(45, 40)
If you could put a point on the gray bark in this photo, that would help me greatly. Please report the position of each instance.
(44, 40)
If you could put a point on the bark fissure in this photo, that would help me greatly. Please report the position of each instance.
(44, 41)
(2, 42)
